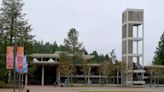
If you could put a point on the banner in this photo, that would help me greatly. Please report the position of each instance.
(9, 57)
(25, 66)
(20, 55)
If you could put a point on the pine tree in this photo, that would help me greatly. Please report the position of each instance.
(73, 45)
(159, 53)
(13, 24)
(72, 42)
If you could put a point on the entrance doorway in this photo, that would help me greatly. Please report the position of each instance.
(50, 75)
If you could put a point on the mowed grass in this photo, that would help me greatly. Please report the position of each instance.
(114, 91)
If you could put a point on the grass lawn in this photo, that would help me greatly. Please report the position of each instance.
(114, 91)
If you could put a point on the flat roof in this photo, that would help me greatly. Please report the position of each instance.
(56, 55)
(132, 9)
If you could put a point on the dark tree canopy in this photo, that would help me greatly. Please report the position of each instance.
(47, 47)
(159, 53)
(13, 23)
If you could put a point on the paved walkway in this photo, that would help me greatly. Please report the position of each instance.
(78, 89)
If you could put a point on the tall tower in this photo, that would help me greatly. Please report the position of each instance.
(133, 47)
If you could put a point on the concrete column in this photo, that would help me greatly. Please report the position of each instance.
(151, 74)
(107, 79)
(99, 78)
(9, 77)
(58, 78)
(117, 76)
(42, 79)
(26, 79)
(89, 73)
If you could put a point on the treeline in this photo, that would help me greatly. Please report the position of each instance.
(47, 47)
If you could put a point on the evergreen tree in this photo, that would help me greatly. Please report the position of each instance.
(159, 53)
(72, 43)
(73, 47)
(98, 58)
(47, 47)
(13, 24)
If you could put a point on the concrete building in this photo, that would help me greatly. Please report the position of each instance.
(47, 67)
(45, 72)
(133, 47)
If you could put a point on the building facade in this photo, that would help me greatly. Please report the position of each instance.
(46, 72)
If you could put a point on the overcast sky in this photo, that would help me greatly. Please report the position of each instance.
(98, 22)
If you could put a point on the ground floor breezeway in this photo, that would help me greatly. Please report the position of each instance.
(48, 75)
(43, 75)
(45, 72)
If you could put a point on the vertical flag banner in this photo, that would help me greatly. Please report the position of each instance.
(25, 66)
(20, 55)
(9, 57)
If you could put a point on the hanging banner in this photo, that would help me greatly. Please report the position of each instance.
(20, 55)
(9, 57)
(25, 66)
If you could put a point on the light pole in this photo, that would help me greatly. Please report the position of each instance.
(14, 15)
(15, 52)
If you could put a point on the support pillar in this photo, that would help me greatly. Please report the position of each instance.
(26, 79)
(106, 79)
(89, 73)
(9, 77)
(99, 78)
(117, 77)
(58, 78)
(42, 79)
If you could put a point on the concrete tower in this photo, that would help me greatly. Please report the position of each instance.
(132, 47)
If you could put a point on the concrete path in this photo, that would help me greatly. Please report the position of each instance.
(78, 89)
